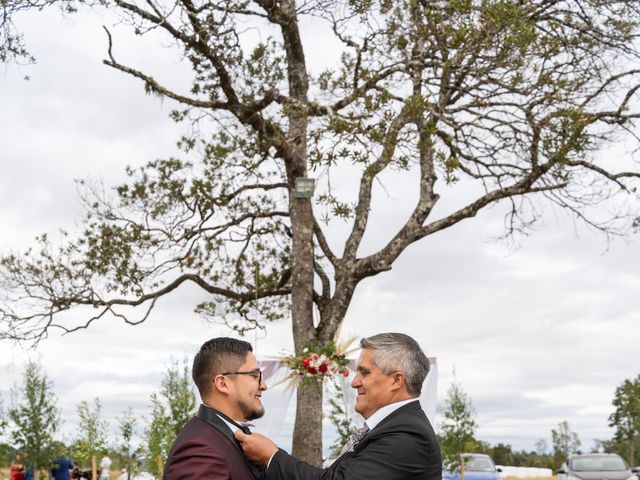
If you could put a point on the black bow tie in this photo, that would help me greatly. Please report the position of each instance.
(241, 426)
(244, 428)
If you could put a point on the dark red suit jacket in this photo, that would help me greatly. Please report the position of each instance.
(206, 449)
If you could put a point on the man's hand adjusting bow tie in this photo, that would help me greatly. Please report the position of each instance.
(258, 448)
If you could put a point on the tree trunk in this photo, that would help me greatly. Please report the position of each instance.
(307, 432)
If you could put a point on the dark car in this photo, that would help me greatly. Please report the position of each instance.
(477, 466)
(595, 466)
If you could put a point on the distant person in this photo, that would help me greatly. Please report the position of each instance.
(105, 464)
(396, 442)
(63, 466)
(17, 468)
(230, 384)
(29, 472)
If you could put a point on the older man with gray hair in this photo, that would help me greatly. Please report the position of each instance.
(396, 442)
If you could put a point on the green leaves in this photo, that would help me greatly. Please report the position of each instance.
(172, 407)
(564, 440)
(339, 417)
(35, 417)
(626, 416)
(458, 427)
(92, 433)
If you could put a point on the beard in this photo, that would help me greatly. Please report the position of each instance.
(251, 412)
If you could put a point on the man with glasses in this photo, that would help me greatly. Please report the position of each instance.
(230, 385)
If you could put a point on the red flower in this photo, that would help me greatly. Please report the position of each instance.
(306, 361)
(345, 372)
(312, 370)
(323, 368)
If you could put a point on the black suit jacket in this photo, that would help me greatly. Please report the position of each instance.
(206, 449)
(403, 446)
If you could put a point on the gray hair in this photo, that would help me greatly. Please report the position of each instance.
(397, 352)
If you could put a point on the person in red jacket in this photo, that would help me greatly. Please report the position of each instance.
(17, 468)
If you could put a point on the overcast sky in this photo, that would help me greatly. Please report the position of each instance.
(538, 332)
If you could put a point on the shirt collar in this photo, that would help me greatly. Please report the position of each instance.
(231, 426)
(385, 411)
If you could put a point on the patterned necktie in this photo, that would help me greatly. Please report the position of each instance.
(354, 438)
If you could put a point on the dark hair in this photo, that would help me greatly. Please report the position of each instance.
(216, 356)
(397, 352)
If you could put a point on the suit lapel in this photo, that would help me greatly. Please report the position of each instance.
(379, 429)
(210, 416)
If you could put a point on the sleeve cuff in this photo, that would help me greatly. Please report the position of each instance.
(269, 462)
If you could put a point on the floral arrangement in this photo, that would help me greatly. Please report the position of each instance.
(318, 363)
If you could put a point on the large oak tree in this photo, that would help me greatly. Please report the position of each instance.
(515, 100)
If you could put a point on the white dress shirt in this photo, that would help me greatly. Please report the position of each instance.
(385, 411)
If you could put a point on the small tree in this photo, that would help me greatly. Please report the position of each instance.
(541, 446)
(92, 439)
(564, 442)
(626, 417)
(127, 425)
(35, 417)
(7, 454)
(172, 407)
(457, 428)
(3, 418)
(502, 454)
(339, 416)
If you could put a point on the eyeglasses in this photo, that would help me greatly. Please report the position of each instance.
(257, 374)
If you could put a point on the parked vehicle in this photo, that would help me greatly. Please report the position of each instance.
(477, 466)
(595, 466)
